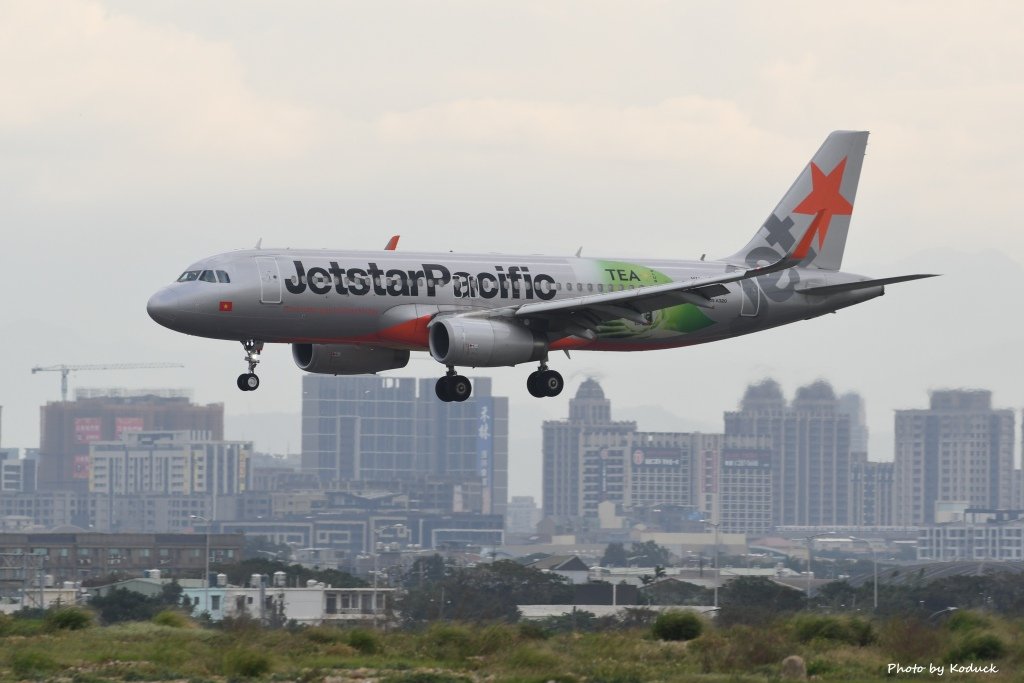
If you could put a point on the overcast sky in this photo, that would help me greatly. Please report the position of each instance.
(136, 138)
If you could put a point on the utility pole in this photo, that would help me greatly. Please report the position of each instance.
(206, 570)
(718, 575)
(874, 558)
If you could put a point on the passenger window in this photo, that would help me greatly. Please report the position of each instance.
(208, 276)
(223, 276)
(189, 276)
(600, 287)
(590, 286)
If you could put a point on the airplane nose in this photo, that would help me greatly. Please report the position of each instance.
(164, 306)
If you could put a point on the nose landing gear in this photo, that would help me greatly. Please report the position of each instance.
(544, 382)
(249, 381)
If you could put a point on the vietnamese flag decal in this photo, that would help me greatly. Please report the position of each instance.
(225, 306)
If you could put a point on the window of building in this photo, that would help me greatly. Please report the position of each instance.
(214, 602)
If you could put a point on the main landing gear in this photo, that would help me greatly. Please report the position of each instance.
(453, 387)
(544, 382)
(248, 381)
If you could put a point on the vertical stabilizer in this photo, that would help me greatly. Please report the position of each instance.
(821, 200)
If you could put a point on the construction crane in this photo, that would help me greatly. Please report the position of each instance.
(65, 370)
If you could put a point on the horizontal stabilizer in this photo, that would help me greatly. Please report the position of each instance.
(863, 284)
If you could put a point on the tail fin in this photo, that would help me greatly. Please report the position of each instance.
(821, 201)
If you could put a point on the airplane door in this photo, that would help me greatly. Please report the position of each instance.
(270, 280)
(750, 300)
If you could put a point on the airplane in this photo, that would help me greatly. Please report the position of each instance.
(359, 312)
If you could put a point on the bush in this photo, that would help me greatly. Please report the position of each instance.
(677, 626)
(367, 642)
(530, 630)
(324, 635)
(172, 618)
(849, 630)
(448, 642)
(244, 663)
(32, 664)
(908, 639)
(67, 619)
(964, 620)
(741, 649)
(978, 647)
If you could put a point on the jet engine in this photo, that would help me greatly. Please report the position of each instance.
(347, 359)
(481, 342)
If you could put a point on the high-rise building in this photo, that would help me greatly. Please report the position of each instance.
(590, 459)
(871, 493)
(17, 474)
(522, 515)
(361, 432)
(809, 441)
(959, 450)
(169, 463)
(68, 427)
(745, 491)
(586, 456)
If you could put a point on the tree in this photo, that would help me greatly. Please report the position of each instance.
(614, 556)
(649, 554)
(122, 604)
(674, 592)
(426, 570)
(487, 592)
(755, 601)
(239, 573)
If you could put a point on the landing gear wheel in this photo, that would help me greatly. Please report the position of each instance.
(533, 385)
(453, 388)
(551, 382)
(544, 383)
(442, 390)
(459, 388)
(248, 382)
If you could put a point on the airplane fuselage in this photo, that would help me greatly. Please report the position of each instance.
(386, 298)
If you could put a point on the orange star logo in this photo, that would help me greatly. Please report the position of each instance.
(825, 200)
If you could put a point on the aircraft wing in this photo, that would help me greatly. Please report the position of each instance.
(581, 315)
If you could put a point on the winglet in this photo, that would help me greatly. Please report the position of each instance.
(794, 256)
(392, 243)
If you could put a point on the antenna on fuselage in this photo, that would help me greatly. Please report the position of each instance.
(579, 251)
(259, 243)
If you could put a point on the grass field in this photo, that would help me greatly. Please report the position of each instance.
(833, 648)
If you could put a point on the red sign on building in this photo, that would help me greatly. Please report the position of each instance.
(127, 424)
(88, 429)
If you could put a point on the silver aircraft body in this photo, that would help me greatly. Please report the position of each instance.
(355, 312)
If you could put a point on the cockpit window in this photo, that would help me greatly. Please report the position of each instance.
(189, 276)
(208, 276)
(222, 276)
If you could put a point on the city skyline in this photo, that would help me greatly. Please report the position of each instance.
(526, 447)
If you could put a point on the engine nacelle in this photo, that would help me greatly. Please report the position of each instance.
(347, 359)
(481, 342)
